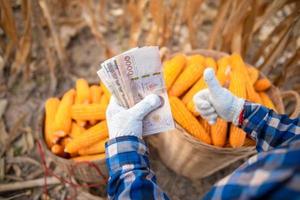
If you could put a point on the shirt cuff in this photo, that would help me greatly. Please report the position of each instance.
(126, 150)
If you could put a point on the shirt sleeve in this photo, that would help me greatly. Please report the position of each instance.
(266, 127)
(129, 171)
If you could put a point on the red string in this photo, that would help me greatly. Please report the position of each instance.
(49, 172)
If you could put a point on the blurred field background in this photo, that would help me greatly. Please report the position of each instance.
(47, 44)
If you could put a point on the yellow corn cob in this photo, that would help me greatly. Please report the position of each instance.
(186, 79)
(51, 106)
(76, 130)
(105, 90)
(252, 95)
(210, 63)
(187, 120)
(62, 121)
(237, 84)
(65, 141)
(104, 101)
(195, 59)
(236, 136)
(267, 101)
(238, 87)
(57, 149)
(219, 133)
(205, 125)
(88, 112)
(98, 147)
(224, 69)
(89, 157)
(253, 74)
(191, 107)
(83, 96)
(96, 93)
(88, 137)
(199, 85)
(173, 68)
(262, 84)
(236, 62)
(82, 92)
(239, 66)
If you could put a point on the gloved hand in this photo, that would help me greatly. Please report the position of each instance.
(217, 101)
(124, 122)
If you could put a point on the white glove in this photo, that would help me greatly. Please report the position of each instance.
(124, 122)
(217, 101)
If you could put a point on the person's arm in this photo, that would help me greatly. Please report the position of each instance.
(129, 171)
(266, 127)
(130, 176)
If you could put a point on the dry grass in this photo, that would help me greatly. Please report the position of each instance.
(236, 28)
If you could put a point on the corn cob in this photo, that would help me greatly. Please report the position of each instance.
(205, 125)
(62, 121)
(88, 112)
(98, 147)
(104, 101)
(267, 101)
(76, 130)
(236, 62)
(51, 106)
(210, 63)
(237, 84)
(253, 74)
(89, 157)
(199, 85)
(187, 120)
(224, 69)
(173, 68)
(82, 92)
(96, 93)
(65, 141)
(195, 59)
(237, 87)
(83, 96)
(191, 107)
(239, 66)
(236, 137)
(57, 149)
(219, 133)
(105, 90)
(252, 95)
(88, 137)
(262, 85)
(186, 79)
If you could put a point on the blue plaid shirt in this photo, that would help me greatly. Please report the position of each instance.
(274, 173)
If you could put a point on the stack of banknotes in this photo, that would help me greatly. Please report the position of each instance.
(133, 75)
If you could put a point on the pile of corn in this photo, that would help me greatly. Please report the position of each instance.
(183, 77)
(75, 125)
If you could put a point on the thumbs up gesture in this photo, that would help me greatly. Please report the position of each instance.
(217, 101)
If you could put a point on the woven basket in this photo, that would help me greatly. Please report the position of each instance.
(93, 172)
(194, 159)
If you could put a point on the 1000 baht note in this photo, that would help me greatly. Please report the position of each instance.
(135, 74)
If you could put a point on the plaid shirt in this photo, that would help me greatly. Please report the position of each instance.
(274, 173)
